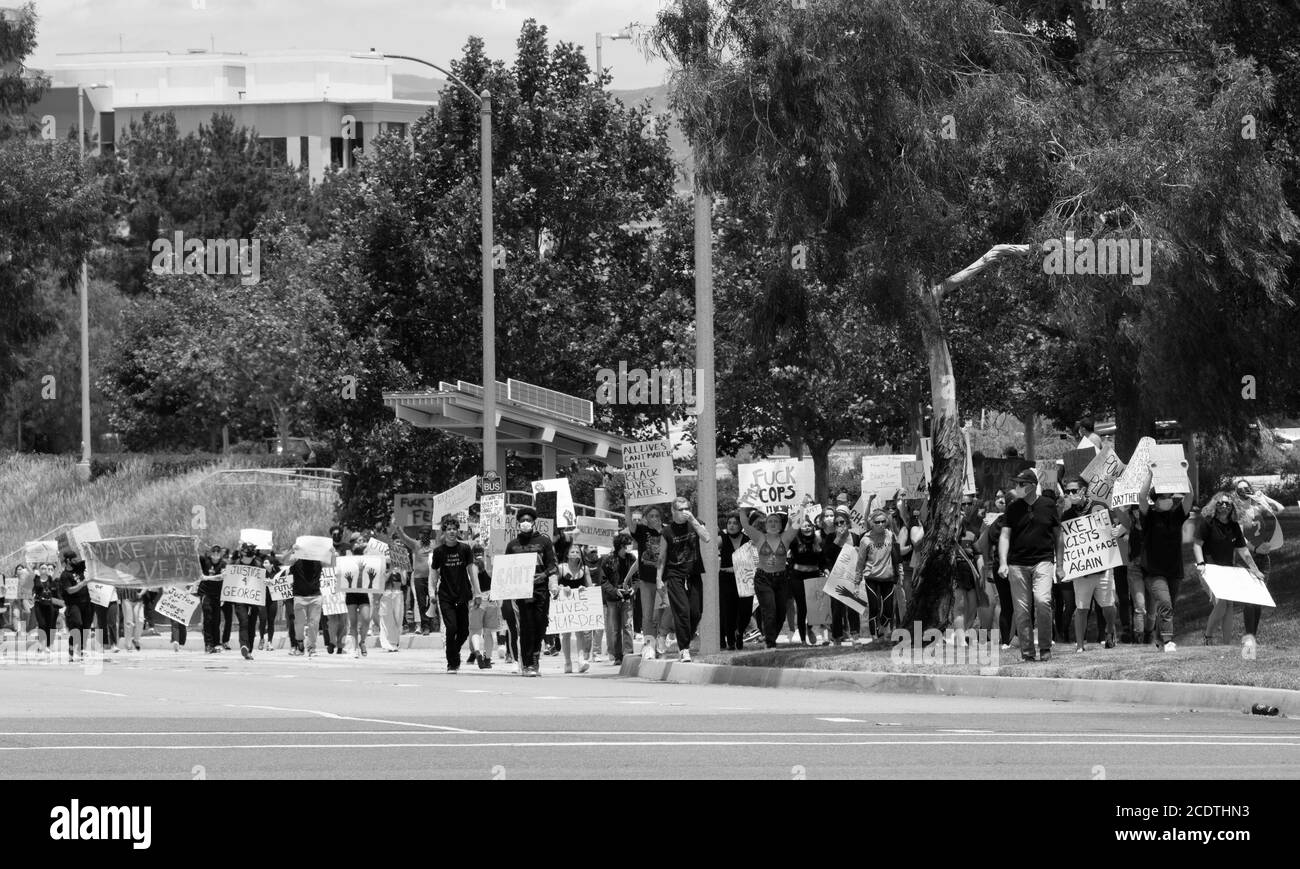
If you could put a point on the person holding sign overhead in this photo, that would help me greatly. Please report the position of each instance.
(533, 610)
(1162, 549)
(773, 544)
(1220, 540)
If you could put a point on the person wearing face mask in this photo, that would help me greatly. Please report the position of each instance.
(805, 564)
(770, 584)
(878, 573)
(648, 535)
(1101, 585)
(532, 612)
(455, 579)
(730, 603)
(968, 597)
(574, 575)
(47, 600)
(77, 611)
(1026, 547)
(247, 614)
(1004, 609)
(837, 534)
(1162, 552)
(618, 574)
(680, 565)
(1220, 540)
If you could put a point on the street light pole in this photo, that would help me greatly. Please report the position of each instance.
(600, 69)
(706, 440)
(489, 290)
(83, 467)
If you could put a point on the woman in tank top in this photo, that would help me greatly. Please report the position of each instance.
(773, 544)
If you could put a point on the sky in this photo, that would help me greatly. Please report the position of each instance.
(435, 30)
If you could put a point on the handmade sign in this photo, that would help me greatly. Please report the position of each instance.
(512, 576)
(314, 549)
(72, 539)
(968, 477)
(1124, 491)
(840, 583)
(492, 511)
(1169, 470)
(177, 604)
(243, 583)
(553, 500)
(1237, 584)
(143, 562)
(456, 499)
(777, 484)
(1090, 547)
(927, 458)
(1076, 461)
(882, 476)
(100, 594)
(576, 609)
(501, 536)
(38, 552)
(11, 588)
(260, 539)
(332, 601)
(413, 511)
(914, 480)
(744, 561)
(596, 532)
(1101, 474)
(858, 514)
(360, 573)
(281, 585)
(819, 602)
(648, 473)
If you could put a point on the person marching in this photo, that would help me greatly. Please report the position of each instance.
(836, 534)
(573, 576)
(773, 544)
(681, 566)
(75, 595)
(484, 616)
(1219, 540)
(247, 614)
(213, 564)
(735, 610)
(455, 580)
(533, 611)
(880, 571)
(617, 572)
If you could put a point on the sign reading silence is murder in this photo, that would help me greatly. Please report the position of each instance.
(143, 562)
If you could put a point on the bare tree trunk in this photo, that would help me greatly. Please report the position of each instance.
(821, 456)
(1031, 424)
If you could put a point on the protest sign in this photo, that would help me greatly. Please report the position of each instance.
(314, 549)
(1101, 474)
(501, 536)
(1124, 491)
(1075, 462)
(777, 484)
(858, 515)
(1048, 474)
(243, 583)
(143, 562)
(72, 539)
(840, 585)
(882, 476)
(819, 602)
(379, 549)
(360, 573)
(1169, 470)
(744, 561)
(927, 458)
(332, 601)
(413, 512)
(260, 539)
(281, 585)
(38, 552)
(596, 532)
(648, 473)
(1237, 584)
(455, 500)
(399, 557)
(492, 510)
(968, 476)
(11, 588)
(100, 594)
(1089, 545)
(576, 609)
(512, 576)
(177, 604)
(559, 507)
(914, 480)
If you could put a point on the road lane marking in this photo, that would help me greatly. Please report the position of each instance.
(619, 744)
(105, 693)
(844, 720)
(336, 716)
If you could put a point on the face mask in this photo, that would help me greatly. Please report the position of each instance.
(526, 526)
(1165, 503)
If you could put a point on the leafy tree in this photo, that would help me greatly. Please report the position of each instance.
(19, 88)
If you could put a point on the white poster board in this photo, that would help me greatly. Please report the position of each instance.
(915, 481)
(648, 473)
(260, 539)
(243, 583)
(576, 609)
(281, 585)
(777, 484)
(314, 549)
(594, 531)
(1124, 491)
(455, 500)
(332, 601)
(177, 604)
(744, 561)
(819, 602)
(839, 583)
(359, 573)
(100, 594)
(1237, 584)
(512, 576)
(882, 476)
(1090, 547)
(858, 515)
(1169, 470)
(413, 510)
(492, 510)
(1101, 474)
(565, 515)
(38, 552)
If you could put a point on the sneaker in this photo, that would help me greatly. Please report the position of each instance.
(473, 656)
(484, 663)
(685, 656)
(661, 646)
(452, 671)
(294, 653)
(136, 644)
(176, 647)
(618, 662)
(362, 647)
(209, 650)
(1006, 646)
(584, 665)
(311, 653)
(1027, 659)
(648, 653)
(226, 646)
(1045, 656)
(1171, 647)
(1110, 642)
(1080, 648)
(243, 650)
(530, 671)
(261, 643)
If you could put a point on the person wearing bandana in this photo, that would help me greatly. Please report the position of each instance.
(534, 610)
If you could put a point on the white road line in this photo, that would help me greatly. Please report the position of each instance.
(105, 693)
(338, 717)
(618, 744)
(844, 720)
(886, 738)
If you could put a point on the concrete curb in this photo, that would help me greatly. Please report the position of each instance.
(1237, 698)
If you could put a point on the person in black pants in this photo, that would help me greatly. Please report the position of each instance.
(212, 564)
(270, 606)
(47, 600)
(837, 534)
(247, 614)
(77, 612)
(680, 568)
(455, 580)
(546, 583)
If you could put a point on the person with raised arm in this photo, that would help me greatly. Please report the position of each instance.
(773, 544)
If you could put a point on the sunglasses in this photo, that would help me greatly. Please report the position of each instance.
(1073, 491)
(1224, 504)
(840, 522)
(878, 522)
(967, 503)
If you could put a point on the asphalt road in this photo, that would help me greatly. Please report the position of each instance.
(161, 715)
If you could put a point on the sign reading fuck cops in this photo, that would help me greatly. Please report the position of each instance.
(778, 484)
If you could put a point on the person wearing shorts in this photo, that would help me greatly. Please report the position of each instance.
(484, 617)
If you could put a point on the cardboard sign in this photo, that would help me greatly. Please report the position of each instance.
(413, 511)
(648, 473)
(1048, 475)
(243, 583)
(819, 602)
(1076, 461)
(882, 476)
(927, 458)
(596, 532)
(1124, 491)
(332, 601)
(1237, 584)
(858, 515)
(143, 562)
(360, 573)
(512, 576)
(177, 604)
(100, 594)
(11, 588)
(455, 500)
(745, 563)
(492, 510)
(1169, 470)
(1089, 545)
(260, 539)
(779, 484)
(553, 500)
(576, 609)
(38, 552)
(501, 536)
(314, 549)
(1101, 474)
(73, 539)
(281, 585)
(839, 584)
(915, 483)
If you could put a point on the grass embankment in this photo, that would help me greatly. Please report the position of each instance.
(1277, 663)
(41, 493)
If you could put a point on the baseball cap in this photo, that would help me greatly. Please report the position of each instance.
(1026, 476)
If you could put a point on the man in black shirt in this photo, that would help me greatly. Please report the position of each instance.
(455, 577)
(680, 566)
(77, 612)
(546, 583)
(1162, 558)
(1025, 550)
(210, 596)
(649, 543)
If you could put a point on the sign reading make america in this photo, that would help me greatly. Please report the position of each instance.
(143, 562)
